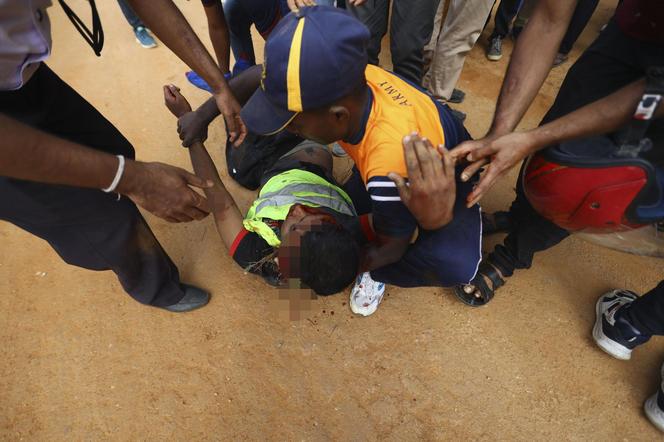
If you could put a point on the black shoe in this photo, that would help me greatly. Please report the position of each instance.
(458, 115)
(457, 96)
(193, 298)
(516, 31)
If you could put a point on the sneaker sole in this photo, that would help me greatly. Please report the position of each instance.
(494, 57)
(608, 345)
(146, 46)
(653, 413)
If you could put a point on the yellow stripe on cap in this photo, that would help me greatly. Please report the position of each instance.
(293, 72)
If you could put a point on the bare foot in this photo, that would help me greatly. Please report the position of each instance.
(175, 101)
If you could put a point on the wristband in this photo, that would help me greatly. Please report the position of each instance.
(118, 175)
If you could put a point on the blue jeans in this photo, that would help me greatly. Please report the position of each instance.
(133, 19)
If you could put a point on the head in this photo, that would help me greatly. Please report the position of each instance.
(338, 121)
(313, 76)
(317, 250)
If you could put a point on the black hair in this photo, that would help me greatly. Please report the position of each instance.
(329, 258)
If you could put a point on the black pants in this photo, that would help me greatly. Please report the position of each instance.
(507, 10)
(87, 228)
(410, 31)
(611, 62)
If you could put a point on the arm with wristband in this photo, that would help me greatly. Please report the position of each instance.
(166, 191)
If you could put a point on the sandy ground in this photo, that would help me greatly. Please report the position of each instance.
(83, 361)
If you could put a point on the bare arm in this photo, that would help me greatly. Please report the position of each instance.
(168, 23)
(29, 154)
(226, 214)
(531, 62)
(219, 36)
(383, 251)
(600, 117)
(193, 125)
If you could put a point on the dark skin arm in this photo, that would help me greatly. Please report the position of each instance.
(219, 36)
(602, 116)
(168, 23)
(384, 250)
(166, 191)
(227, 217)
(193, 125)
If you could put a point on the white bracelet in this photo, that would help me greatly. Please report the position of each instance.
(118, 175)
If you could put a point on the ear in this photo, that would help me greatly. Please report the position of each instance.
(298, 210)
(341, 113)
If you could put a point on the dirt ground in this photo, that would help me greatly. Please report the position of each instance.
(83, 361)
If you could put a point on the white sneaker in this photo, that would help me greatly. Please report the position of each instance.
(366, 295)
(654, 414)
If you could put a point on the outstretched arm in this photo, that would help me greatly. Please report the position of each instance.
(218, 30)
(29, 154)
(168, 23)
(600, 117)
(193, 125)
(227, 216)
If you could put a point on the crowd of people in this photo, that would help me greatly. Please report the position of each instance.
(408, 215)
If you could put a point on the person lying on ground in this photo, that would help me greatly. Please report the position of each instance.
(301, 231)
(316, 84)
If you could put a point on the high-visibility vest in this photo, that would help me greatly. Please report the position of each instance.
(282, 191)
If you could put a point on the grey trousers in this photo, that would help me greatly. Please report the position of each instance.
(410, 30)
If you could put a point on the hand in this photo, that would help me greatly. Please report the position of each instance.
(356, 2)
(431, 190)
(175, 101)
(230, 109)
(500, 152)
(294, 5)
(165, 191)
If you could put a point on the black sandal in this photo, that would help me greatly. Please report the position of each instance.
(497, 222)
(477, 292)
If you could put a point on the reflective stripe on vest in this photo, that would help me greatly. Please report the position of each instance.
(282, 191)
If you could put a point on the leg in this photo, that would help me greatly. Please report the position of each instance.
(584, 10)
(443, 257)
(93, 230)
(133, 19)
(410, 31)
(646, 314)
(430, 47)
(621, 61)
(505, 13)
(460, 31)
(373, 14)
(87, 227)
(239, 24)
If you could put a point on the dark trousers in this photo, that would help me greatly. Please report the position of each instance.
(410, 31)
(507, 10)
(611, 62)
(584, 10)
(86, 227)
(133, 19)
(444, 257)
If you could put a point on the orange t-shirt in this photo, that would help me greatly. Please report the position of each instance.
(395, 109)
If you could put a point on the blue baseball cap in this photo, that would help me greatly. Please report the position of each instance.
(313, 57)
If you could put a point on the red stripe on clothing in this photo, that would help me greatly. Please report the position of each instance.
(236, 242)
(366, 228)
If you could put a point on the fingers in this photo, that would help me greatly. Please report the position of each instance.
(471, 170)
(483, 186)
(430, 164)
(448, 161)
(195, 180)
(231, 125)
(243, 131)
(402, 187)
(412, 164)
